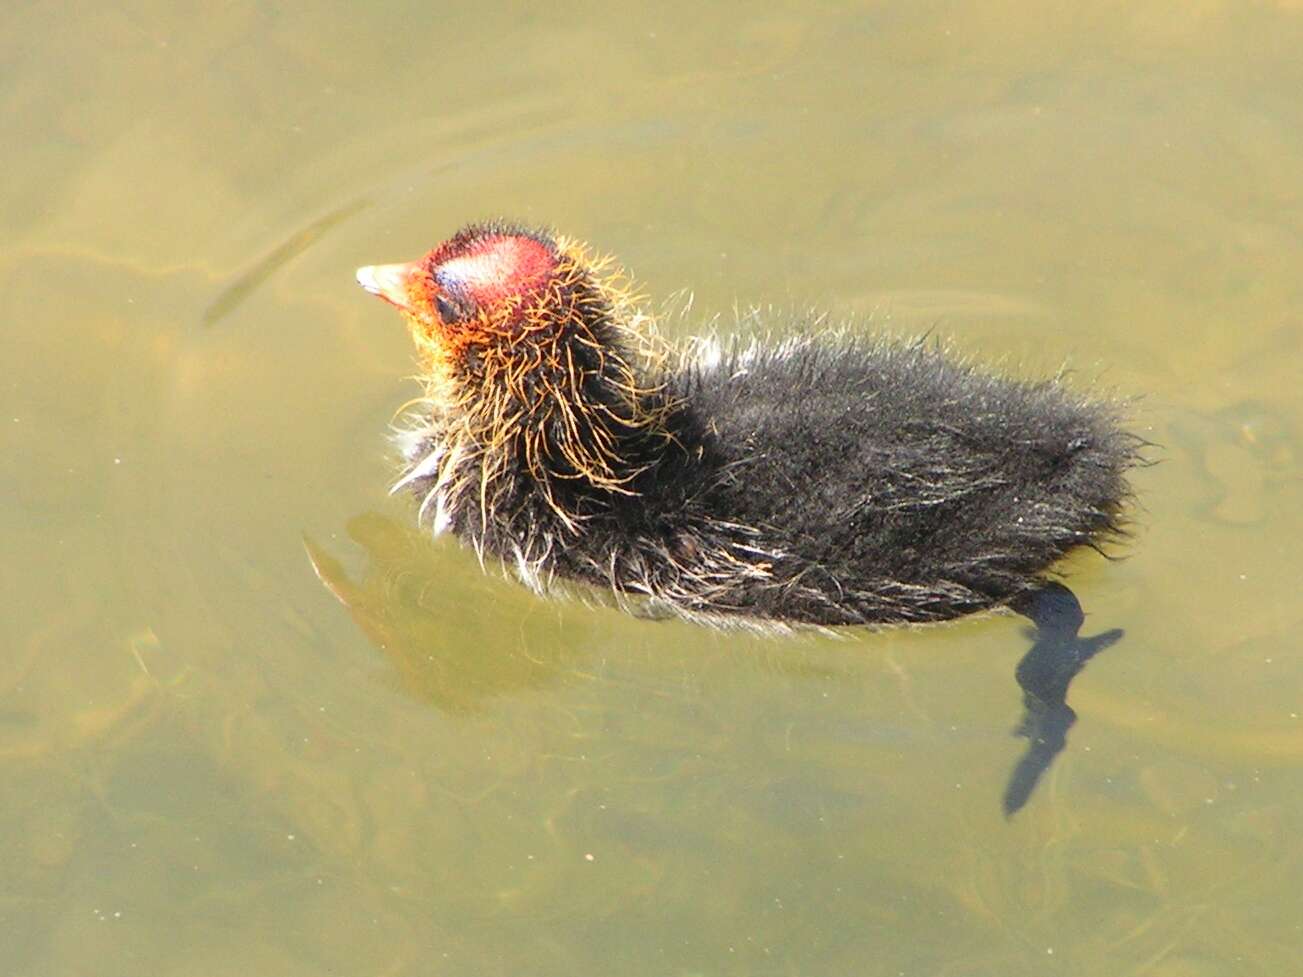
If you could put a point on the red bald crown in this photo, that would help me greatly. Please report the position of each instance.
(490, 264)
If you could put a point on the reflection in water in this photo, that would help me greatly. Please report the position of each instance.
(406, 616)
(1057, 654)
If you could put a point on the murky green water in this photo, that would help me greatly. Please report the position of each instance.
(208, 765)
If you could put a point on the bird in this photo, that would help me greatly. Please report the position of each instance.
(822, 478)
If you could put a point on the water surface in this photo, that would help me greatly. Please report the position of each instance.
(209, 765)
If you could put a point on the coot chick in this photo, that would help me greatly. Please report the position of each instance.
(827, 479)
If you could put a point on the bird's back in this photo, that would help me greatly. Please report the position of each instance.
(900, 483)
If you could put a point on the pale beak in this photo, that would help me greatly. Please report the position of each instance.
(390, 282)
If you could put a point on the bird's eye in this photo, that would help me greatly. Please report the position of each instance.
(451, 309)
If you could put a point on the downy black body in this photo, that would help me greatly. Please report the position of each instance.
(825, 479)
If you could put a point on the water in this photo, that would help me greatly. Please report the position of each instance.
(209, 765)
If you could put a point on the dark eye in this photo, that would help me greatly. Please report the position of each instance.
(447, 311)
(452, 306)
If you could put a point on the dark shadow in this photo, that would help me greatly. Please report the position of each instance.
(1057, 654)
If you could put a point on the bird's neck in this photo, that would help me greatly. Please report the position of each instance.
(564, 425)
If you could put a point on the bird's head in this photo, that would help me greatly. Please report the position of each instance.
(533, 346)
(494, 292)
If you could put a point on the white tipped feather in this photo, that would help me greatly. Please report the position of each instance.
(428, 465)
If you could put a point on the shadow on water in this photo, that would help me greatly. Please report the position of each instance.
(1058, 653)
(406, 616)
